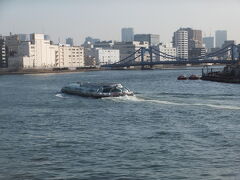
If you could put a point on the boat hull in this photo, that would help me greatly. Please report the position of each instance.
(93, 94)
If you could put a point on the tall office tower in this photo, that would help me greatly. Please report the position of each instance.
(195, 42)
(3, 53)
(209, 43)
(180, 41)
(127, 34)
(69, 41)
(220, 37)
(152, 39)
(196, 38)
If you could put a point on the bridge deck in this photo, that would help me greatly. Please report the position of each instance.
(148, 63)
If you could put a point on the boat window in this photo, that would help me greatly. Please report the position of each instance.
(92, 90)
(116, 90)
(106, 90)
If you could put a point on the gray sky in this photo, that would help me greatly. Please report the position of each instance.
(104, 18)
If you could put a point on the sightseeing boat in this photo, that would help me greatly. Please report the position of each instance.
(97, 90)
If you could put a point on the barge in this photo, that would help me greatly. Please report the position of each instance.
(229, 74)
(97, 90)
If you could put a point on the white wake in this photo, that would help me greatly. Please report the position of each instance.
(59, 95)
(155, 101)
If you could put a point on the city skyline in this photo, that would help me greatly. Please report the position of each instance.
(104, 19)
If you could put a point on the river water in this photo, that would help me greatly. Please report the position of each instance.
(170, 130)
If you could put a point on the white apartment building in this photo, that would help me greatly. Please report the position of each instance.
(38, 53)
(128, 48)
(69, 56)
(169, 50)
(181, 43)
(106, 56)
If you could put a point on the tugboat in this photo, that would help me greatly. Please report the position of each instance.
(182, 77)
(194, 77)
(97, 90)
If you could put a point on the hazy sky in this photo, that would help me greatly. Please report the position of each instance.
(104, 18)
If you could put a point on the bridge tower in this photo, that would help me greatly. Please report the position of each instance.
(142, 57)
(232, 52)
(150, 51)
(151, 56)
(238, 50)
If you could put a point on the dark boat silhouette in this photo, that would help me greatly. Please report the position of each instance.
(182, 77)
(194, 77)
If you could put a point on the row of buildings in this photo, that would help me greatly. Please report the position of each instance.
(37, 51)
(129, 36)
(115, 51)
(187, 42)
(220, 38)
(209, 41)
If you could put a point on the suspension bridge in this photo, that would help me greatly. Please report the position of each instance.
(227, 55)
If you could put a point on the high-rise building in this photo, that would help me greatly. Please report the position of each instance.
(195, 42)
(209, 43)
(69, 41)
(3, 53)
(194, 38)
(152, 39)
(220, 37)
(180, 41)
(127, 34)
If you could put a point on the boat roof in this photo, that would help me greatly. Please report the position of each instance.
(89, 84)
